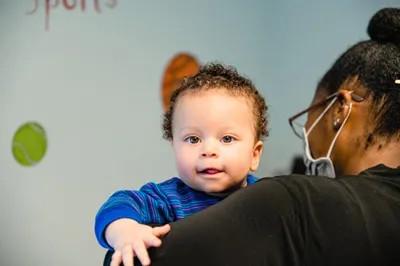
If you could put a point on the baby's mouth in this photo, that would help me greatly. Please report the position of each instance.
(210, 171)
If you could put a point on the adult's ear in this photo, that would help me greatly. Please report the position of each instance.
(341, 108)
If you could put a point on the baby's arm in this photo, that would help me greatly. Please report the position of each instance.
(120, 222)
(130, 239)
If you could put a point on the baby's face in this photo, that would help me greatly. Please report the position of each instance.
(214, 140)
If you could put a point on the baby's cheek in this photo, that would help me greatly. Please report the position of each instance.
(185, 165)
(241, 165)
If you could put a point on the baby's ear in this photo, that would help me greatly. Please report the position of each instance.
(257, 151)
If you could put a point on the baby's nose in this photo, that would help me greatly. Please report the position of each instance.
(210, 149)
(209, 154)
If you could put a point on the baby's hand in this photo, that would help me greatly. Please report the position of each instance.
(130, 239)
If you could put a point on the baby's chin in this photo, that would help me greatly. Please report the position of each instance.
(207, 187)
(216, 187)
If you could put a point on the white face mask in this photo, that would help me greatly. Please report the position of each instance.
(322, 166)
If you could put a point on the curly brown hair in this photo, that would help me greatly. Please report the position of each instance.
(218, 76)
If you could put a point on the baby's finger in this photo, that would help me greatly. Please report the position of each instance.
(161, 230)
(116, 258)
(127, 255)
(152, 241)
(141, 253)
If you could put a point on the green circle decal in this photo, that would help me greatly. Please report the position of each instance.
(29, 144)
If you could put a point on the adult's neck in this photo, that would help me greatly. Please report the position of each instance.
(382, 152)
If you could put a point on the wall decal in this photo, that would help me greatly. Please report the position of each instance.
(29, 144)
(180, 66)
(69, 5)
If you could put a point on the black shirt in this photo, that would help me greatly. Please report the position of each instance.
(294, 220)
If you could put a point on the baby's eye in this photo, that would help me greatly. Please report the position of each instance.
(227, 139)
(192, 139)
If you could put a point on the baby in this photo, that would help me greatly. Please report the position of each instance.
(216, 124)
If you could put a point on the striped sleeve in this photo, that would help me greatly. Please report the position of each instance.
(146, 206)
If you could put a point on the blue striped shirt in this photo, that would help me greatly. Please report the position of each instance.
(154, 204)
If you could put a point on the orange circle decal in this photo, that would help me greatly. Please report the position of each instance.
(180, 66)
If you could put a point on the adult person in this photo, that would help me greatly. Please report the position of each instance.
(350, 213)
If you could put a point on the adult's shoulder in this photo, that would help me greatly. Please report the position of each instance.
(383, 181)
(350, 200)
(295, 183)
(309, 193)
(301, 185)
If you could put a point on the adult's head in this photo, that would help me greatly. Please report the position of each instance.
(359, 126)
(216, 123)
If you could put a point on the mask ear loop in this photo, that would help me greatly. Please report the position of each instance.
(338, 133)
(320, 116)
(306, 133)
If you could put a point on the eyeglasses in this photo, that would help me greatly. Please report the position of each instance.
(297, 127)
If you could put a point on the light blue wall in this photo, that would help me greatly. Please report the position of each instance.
(93, 82)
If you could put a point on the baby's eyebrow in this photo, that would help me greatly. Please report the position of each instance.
(188, 130)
